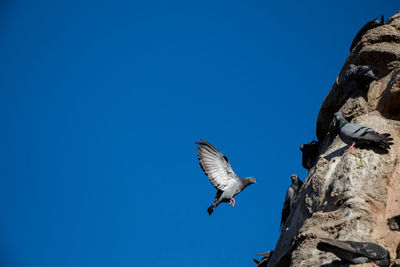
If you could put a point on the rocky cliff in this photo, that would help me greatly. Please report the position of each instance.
(350, 195)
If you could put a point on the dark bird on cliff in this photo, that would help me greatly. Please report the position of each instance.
(394, 223)
(265, 259)
(310, 154)
(362, 75)
(368, 26)
(354, 134)
(356, 252)
(216, 166)
(291, 194)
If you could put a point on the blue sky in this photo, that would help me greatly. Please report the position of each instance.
(101, 103)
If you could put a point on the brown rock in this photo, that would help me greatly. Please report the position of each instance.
(351, 195)
(378, 48)
(389, 104)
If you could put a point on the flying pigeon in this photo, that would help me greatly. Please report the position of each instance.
(216, 166)
(361, 74)
(291, 194)
(354, 134)
(356, 252)
(368, 26)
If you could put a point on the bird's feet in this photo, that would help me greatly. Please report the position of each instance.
(232, 202)
(352, 145)
(374, 264)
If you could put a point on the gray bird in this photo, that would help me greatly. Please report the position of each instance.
(291, 194)
(216, 166)
(356, 252)
(362, 74)
(368, 26)
(354, 134)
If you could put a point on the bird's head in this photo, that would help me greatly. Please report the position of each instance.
(294, 178)
(250, 180)
(338, 116)
(339, 120)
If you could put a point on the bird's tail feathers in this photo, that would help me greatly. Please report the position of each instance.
(386, 136)
(324, 246)
(211, 209)
(335, 246)
(385, 144)
(385, 140)
(329, 245)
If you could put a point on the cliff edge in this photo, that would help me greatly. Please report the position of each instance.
(350, 195)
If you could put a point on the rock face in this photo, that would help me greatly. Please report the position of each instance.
(351, 195)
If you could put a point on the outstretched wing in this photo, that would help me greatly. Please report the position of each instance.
(215, 165)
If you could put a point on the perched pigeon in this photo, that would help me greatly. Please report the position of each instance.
(290, 197)
(356, 252)
(310, 154)
(361, 74)
(216, 166)
(354, 134)
(368, 26)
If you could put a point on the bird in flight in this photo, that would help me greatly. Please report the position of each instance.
(216, 166)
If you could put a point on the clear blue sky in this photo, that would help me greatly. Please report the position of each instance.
(101, 103)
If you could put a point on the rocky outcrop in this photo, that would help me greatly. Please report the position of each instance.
(350, 195)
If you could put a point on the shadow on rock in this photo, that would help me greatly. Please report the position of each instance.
(336, 263)
(335, 153)
(377, 150)
(340, 151)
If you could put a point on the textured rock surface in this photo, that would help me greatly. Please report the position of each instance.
(350, 195)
